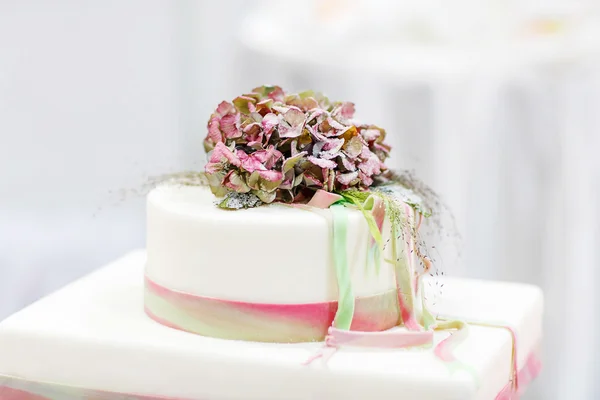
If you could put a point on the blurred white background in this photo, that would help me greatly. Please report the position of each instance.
(494, 103)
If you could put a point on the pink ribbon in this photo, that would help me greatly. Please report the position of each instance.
(12, 388)
(528, 373)
(264, 322)
(390, 339)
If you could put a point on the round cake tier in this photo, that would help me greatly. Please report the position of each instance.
(274, 254)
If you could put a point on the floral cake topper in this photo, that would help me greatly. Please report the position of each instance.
(268, 146)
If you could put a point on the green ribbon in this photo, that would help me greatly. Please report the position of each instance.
(345, 311)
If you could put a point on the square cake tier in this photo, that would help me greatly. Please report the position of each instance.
(93, 340)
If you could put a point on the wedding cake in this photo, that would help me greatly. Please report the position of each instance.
(291, 268)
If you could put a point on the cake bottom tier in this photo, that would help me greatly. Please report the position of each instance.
(92, 339)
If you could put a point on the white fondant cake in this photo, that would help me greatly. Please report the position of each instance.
(321, 293)
(93, 334)
(275, 254)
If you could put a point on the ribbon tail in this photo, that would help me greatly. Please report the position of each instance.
(345, 311)
(393, 339)
(445, 349)
(404, 286)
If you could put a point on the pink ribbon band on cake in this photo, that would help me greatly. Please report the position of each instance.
(525, 375)
(385, 340)
(13, 388)
(260, 322)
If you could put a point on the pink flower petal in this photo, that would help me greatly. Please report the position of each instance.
(286, 131)
(314, 114)
(280, 108)
(294, 117)
(269, 122)
(253, 132)
(287, 184)
(213, 167)
(335, 125)
(222, 154)
(225, 108)
(347, 110)
(382, 147)
(370, 164)
(370, 134)
(332, 148)
(277, 94)
(303, 100)
(266, 103)
(311, 180)
(271, 175)
(322, 162)
(364, 179)
(314, 131)
(333, 144)
(229, 126)
(214, 133)
(347, 178)
(268, 157)
(348, 164)
(241, 154)
(252, 164)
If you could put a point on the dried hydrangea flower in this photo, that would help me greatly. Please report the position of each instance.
(283, 147)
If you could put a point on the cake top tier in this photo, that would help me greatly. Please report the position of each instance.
(269, 146)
